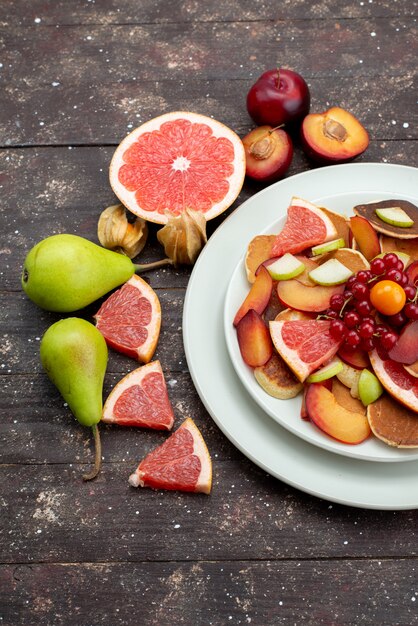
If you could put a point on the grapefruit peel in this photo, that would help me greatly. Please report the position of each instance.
(181, 463)
(176, 161)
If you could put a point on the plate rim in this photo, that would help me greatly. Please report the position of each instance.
(192, 352)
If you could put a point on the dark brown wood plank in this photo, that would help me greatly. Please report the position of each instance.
(51, 515)
(103, 112)
(28, 13)
(345, 592)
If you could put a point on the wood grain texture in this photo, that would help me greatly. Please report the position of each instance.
(76, 77)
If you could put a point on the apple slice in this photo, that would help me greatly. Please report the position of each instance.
(332, 418)
(395, 215)
(330, 273)
(329, 370)
(329, 246)
(285, 267)
(259, 295)
(254, 339)
(369, 387)
(365, 236)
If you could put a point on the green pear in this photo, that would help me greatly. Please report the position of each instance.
(74, 355)
(65, 273)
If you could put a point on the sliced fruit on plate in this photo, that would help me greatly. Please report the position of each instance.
(333, 368)
(258, 251)
(365, 237)
(340, 222)
(130, 319)
(140, 399)
(393, 423)
(312, 298)
(177, 161)
(276, 378)
(330, 273)
(306, 225)
(303, 410)
(395, 216)
(258, 297)
(285, 267)
(394, 244)
(369, 387)
(305, 345)
(181, 463)
(368, 211)
(357, 358)
(405, 349)
(352, 259)
(345, 399)
(254, 339)
(396, 380)
(349, 376)
(322, 248)
(334, 419)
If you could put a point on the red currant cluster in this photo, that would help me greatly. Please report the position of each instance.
(353, 315)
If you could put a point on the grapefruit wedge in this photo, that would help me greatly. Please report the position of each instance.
(306, 225)
(305, 345)
(177, 161)
(140, 399)
(181, 463)
(396, 380)
(130, 319)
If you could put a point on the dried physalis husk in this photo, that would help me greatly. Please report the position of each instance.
(183, 237)
(116, 233)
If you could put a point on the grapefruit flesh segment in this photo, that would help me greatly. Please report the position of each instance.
(181, 463)
(306, 225)
(396, 380)
(177, 161)
(140, 399)
(305, 345)
(130, 320)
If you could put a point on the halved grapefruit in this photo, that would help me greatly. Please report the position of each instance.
(140, 399)
(177, 161)
(130, 319)
(305, 345)
(181, 463)
(306, 225)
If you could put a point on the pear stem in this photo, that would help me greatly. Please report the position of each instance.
(97, 457)
(145, 267)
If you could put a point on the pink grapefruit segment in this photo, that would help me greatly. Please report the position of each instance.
(130, 319)
(396, 380)
(140, 399)
(306, 225)
(305, 345)
(181, 463)
(177, 161)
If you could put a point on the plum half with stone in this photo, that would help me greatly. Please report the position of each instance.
(268, 153)
(334, 136)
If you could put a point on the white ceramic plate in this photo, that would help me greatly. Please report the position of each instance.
(312, 469)
(287, 412)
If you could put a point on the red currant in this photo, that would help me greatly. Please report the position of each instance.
(363, 276)
(377, 266)
(410, 292)
(364, 307)
(360, 291)
(390, 260)
(351, 319)
(388, 340)
(411, 310)
(366, 330)
(394, 275)
(352, 338)
(336, 302)
(337, 329)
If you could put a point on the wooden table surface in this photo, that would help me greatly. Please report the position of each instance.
(76, 76)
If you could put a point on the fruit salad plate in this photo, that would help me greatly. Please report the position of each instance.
(287, 412)
(290, 457)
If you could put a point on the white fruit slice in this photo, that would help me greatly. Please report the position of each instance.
(329, 246)
(369, 387)
(332, 272)
(349, 376)
(285, 267)
(395, 216)
(329, 370)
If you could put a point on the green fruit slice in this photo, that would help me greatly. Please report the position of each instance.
(332, 368)
(369, 387)
(288, 266)
(332, 272)
(395, 216)
(329, 246)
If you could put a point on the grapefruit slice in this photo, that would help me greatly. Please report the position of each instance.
(177, 161)
(306, 225)
(130, 319)
(396, 380)
(305, 345)
(181, 463)
(140, 399)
